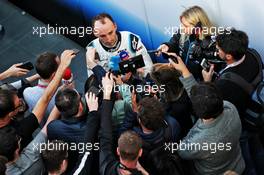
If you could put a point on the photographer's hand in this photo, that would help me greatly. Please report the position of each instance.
(134, 101)
(92, 101)
(118, 79)
(66, 58)
(207, 76)
(108, 84)
(162, 48)
(14, 71)
(180, 66)
(126, 77)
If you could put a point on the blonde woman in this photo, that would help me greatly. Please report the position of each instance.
(195, 27)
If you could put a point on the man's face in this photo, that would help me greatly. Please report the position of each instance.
(221, 53)
(18, 104)
(106, 32)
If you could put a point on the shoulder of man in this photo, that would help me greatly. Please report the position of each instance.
(93, 43)
(133, 39)
(229, 106)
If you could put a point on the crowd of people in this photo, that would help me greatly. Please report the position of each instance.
(193, 123)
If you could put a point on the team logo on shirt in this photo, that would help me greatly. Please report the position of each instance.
(134, 42)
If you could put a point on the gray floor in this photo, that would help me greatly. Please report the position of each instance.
(19, 44)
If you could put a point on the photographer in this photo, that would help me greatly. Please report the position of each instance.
(10, 105)
(71, 126)
(241, 61)
(193, 22)
(129, 143)
(174, 96)
(233, 49)
(218, 124)
(27, 160)
(46, 66)
(59, 164)
(149, 120)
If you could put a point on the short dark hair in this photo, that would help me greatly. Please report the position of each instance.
(7, 104)
(234, 43)
(151, 113)
(101, 17)
(129, 144)
(53, 158)
(8, 142)
(207, 101)
(46, 65)
(67, 101)
(168, 76)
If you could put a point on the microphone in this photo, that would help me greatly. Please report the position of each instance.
(113, 63)
(123, 55)
(67, 77)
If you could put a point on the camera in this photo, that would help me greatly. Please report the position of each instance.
(203, 49)
(131, 64)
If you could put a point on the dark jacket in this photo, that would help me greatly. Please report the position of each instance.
(85, 164)
(68, 130)
(181, 110)
(108, 162)
(185, 51)
(231, 92)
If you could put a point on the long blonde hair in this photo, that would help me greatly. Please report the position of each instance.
(196, 14)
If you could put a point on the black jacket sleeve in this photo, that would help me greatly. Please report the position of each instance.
(25, 129)
(107, 158)
(85, 159)
(174, 43)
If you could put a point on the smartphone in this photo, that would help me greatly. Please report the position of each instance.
(94, 90)
(166, 56)
(26, 65)
(205, 65)
(76, 51)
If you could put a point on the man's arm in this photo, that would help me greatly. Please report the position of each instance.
(13, 71)
(187, 79)
(18, 84)
(41, 106)
(107, 158)
(173, 44)
(31, 153)
(85, 159)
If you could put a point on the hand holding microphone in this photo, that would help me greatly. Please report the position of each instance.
(67, 78)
